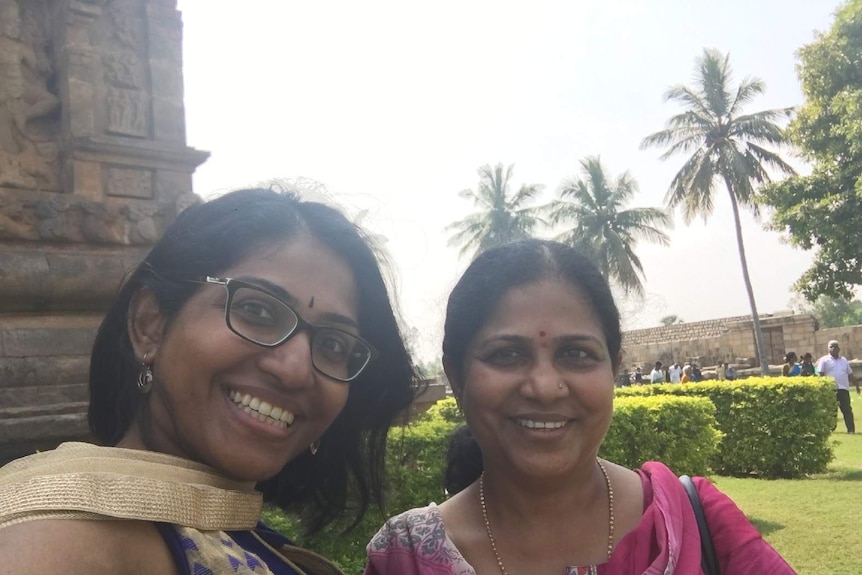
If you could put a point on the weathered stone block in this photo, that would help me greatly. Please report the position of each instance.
(26, 336)
(28, 376)
(170, 120)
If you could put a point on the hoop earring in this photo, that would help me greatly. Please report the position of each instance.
(145, 377)
(315, 445)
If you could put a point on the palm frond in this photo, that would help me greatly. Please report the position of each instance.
(689, 99)
(748, 88)
(713, 77)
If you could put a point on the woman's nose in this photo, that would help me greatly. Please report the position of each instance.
(544, 381)
(290, 362)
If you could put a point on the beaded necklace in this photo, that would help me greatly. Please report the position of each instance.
(491, 534)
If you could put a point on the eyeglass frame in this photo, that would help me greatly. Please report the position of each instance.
(301, 323)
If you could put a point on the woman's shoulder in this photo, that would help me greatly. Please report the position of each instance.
(415, 542)
(405, 529)
(84, 546)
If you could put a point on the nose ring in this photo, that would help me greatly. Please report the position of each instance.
(560, 385)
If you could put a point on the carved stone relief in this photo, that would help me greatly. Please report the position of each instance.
(124, 71)
(67, 218)
(28, 108)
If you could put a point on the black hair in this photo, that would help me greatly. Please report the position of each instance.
(488, 278)
(210, 237)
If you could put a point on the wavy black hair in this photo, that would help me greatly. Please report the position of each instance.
(210, 237)
(491, 275)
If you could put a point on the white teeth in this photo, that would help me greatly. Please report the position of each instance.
(262, 410)
(529, 423)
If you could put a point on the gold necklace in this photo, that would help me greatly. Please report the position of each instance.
(491, 534)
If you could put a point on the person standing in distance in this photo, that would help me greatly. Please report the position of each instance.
(837, 367)
(656, 375)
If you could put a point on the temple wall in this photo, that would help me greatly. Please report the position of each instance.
(93, 167)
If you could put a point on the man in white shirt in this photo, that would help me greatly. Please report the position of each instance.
(837, 367)
(656, 375)
(674, 373)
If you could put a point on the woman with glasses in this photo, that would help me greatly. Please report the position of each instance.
(531, 347)
(252, 357)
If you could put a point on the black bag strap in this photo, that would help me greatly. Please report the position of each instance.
(708, 562)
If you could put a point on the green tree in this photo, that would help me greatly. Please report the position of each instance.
(726, 147)
(823, 211)
(671, 320)
(503, 217)
(592, 208)
(833, 312)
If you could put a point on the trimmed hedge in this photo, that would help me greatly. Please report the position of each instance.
(775, 427)
(678, 431)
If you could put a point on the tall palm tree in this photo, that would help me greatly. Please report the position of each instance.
(726, 147)
(503, 216)
(593, 206)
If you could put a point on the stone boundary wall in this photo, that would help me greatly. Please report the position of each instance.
(732, 340)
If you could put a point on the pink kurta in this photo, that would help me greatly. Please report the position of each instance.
(666, 541)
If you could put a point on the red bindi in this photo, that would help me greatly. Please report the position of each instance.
(541, 334)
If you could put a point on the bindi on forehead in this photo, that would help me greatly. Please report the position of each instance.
(311, 303)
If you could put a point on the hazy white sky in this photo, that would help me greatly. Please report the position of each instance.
(393, 105)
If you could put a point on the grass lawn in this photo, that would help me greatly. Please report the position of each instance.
(816, 523)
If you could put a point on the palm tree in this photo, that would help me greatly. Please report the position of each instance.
(726, 146)
(593, 206)
(503, 217)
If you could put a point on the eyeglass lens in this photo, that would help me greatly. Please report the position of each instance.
(263, 319)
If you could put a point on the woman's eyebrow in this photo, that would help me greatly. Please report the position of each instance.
(272, 288)
(284, 295)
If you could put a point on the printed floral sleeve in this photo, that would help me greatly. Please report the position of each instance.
(415, 543)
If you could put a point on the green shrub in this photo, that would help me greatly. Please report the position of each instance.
(678, 431)
(772, 427)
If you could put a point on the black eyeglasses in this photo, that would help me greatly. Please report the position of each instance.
(257, 316)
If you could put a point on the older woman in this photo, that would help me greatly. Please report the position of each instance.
(253, 356)
(531, 348)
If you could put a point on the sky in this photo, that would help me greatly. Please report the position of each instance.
(392, 106)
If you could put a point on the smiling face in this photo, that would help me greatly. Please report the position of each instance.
(538, 381)
(244, 409)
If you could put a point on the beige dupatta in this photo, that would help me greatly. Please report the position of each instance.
(84, 481)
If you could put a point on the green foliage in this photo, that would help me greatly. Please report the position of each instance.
(834, 312)
(678, 431)
(592, 208)
(671, 320)
(823, 210)
(772, 427)
(504, 216)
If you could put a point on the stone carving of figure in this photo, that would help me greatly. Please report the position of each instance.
(24, 97)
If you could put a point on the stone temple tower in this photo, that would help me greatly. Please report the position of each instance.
(93, 166)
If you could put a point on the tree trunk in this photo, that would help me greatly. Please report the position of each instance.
(758, 332)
